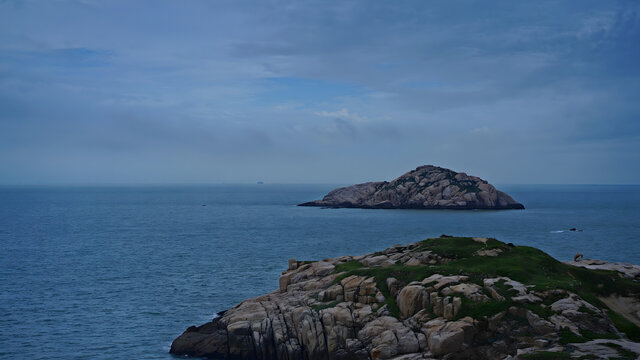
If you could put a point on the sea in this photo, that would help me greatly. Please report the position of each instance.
(119, 272)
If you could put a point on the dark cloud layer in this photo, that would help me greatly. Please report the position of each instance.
(317, 91)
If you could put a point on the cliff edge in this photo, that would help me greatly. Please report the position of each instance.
(442, 298)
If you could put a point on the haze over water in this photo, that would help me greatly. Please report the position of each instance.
(117, 272)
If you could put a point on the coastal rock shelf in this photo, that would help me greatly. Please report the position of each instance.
(448, 297)
(426, 187)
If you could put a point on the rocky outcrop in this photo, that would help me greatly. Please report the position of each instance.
(426, 187)
(451, 298)
(628, 270)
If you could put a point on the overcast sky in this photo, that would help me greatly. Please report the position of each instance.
(97, 91)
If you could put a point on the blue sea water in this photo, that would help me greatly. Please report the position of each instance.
(118, 272)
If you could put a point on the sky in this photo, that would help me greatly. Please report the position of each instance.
(200, 92)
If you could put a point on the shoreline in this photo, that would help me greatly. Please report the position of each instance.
(429, 299)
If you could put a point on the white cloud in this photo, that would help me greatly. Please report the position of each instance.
(480, 130)
(343, 114)
(419, 76)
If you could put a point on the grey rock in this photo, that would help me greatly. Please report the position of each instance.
(316, 314)
(293, 264)
(410, 300)
(628, 270)
(450, 337)
(426, 187)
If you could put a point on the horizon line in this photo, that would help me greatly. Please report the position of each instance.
(8, 185)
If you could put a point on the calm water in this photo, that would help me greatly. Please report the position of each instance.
(103, 273)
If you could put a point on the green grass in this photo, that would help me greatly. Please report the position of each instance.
(624, 353)
(586, 310)
(520, 263)
(504, 289)
(403, 273)
(534, 267)
(390, 301)
(553, 298)
(545, 355)
(468, 186)
(567, 336)
(478, 309)
(457, 247)
(318, 307)
(348, 266)
(594, 335)
(538, 309)
(622, 324)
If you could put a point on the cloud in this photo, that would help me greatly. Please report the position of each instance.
(342, 114)
(230, 85)
(480, 130)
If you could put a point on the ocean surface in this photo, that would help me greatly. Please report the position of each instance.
(119, 272)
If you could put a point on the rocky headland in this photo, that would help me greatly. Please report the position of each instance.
(426, 187)
(441, 298)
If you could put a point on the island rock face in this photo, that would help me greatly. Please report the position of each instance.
(443, 298)
(426, 187)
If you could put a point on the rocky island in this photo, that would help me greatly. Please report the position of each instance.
(441, 298)
(426, 187)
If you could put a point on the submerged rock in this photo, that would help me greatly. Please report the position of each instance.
(439, 298)
(426, 187)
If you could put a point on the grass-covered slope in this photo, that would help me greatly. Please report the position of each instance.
(537, 270)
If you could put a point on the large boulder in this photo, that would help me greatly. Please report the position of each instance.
(410, 300)
(450, 337)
